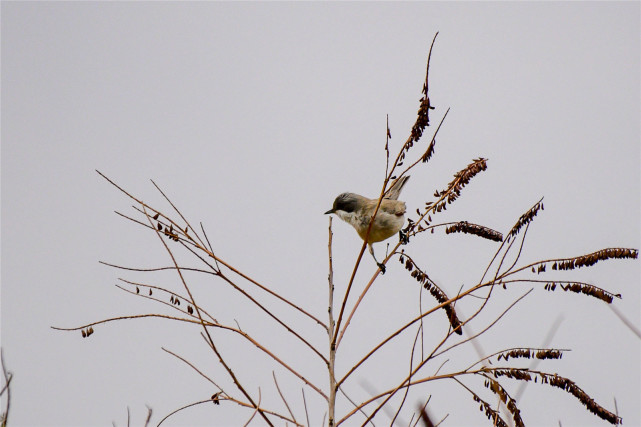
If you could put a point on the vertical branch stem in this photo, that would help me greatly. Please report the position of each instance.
(7, 388)
(330, 333)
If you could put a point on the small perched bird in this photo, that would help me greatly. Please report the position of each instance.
(357, 211)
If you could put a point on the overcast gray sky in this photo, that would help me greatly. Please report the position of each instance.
(253, 117)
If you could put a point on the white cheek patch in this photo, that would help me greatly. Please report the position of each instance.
(348, 217)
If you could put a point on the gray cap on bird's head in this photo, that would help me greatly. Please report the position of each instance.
(344, 202)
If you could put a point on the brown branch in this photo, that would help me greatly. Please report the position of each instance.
(434, 354)
(193, 367)
(305, 406)
(570, 286)
(179, 213)
(523, 352)
(398, 411)
(174, 295)
(7, 382)
(136, 316)
(204, 249)
(256, 410)
(587, 260)
(283, 398)
(269, 291)
(238, 402)
(273, 356)
(330, 332)
(635, 330)
(273, 316)
(430, 357)
(494, 322)
(202, 322)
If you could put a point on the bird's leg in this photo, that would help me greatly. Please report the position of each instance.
(380, 265)
(403, 238)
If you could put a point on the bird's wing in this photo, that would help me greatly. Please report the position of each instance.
(396, 188)
(393, 207)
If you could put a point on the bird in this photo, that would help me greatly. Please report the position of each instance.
(357, 211)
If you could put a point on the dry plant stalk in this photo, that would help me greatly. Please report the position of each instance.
(5, 393)
(176, 233)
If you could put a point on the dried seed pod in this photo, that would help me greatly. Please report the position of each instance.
(526, 218)
(478, 230)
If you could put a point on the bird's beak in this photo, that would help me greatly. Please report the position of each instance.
(329, 211)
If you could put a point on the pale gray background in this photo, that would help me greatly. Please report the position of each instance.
(253, 117)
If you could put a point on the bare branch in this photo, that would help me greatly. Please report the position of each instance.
(626, 321)
(191, 365)
(256, 410)
(283, 397)
(305, 405)
(227, 398)
(7, 388)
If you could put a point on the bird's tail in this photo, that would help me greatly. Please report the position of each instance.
(396, 188)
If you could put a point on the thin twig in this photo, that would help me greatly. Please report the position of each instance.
(256, 410)
(283, 397)
(330, 332)
(154, 298)
(273, 316)
(442, 419)
(404, 327)
(7, 381)
(273, 356)
(178, 211)
(216, 271)
(135, 316)
(425, 417)
(210, 253)
(211, 249)
(227, 398)
(305, 405)
(202, 322)
(548, 339)
(494, 322)
(153, 269)
(361, 410)
(422, 409)
(407, 390)
(407, 381)
(191, 365)
(149, 412)
(269, 291)
(626, 321)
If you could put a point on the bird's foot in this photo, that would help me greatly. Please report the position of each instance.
(382, 267)
(403, 238)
